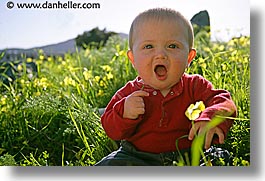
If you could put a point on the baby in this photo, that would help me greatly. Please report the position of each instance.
(148, 114)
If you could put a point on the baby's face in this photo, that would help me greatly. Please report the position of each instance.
(160, 53)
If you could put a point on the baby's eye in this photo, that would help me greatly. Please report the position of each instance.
(173, 46)
(148, 46)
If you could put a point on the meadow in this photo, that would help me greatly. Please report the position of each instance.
(51, 117)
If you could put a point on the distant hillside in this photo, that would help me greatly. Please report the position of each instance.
(61, 48)
(54, 49)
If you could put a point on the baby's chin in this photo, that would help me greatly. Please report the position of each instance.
(160, 84)
(163, 85)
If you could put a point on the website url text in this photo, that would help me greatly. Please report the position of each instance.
(53, 5)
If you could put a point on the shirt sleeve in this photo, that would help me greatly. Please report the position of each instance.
(115, 126)
(217, 102)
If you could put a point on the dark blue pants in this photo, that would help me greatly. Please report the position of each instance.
(127, 155)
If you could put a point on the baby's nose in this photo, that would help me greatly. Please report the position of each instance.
(161, 54)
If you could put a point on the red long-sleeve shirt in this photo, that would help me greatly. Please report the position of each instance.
(164, 120)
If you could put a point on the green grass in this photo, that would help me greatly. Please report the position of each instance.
(52, 118)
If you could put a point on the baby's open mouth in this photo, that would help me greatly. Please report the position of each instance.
(161, 72)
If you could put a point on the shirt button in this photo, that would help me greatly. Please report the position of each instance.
(154, 93)
(172, 93)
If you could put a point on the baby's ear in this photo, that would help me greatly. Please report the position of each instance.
(191, 55)
(130, 56)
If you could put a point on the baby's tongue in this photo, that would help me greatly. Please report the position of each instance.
(160, 70)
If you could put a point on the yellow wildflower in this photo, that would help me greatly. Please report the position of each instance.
(231, 43)
(97, 78)
(202, 63)
(106, 68)
(217, 75)
(60, 59)
(29, 60)
(37, 93)
(109, 76)
(87, 74)
(50, 59)
(41, 83)
(194, 111)
(41, 57)
(69, 81)
(224, 67)
(206, 49)
(3, 100)
(101, 83)
(100, 93)
(22, 81)
(221, 47)
(19, 68)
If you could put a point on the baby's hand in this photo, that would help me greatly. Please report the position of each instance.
(134, 105)
(199, 127)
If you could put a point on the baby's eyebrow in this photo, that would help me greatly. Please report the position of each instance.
(148, 41)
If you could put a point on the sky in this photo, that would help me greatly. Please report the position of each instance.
(27, 28)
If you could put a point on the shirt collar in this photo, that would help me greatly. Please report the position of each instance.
(177, 89)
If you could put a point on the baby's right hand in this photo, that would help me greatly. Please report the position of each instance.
(134, 104)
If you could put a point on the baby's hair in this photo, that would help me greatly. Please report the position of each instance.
(160, 14)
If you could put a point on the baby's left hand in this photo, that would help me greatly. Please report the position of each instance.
(199, 127)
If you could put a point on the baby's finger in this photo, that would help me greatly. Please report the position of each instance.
(140, 93)
(221, 135)
(208, 139)
(140, 110)
(139, 103)
(192, 132)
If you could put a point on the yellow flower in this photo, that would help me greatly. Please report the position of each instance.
(194, 111)
(4, 100)
(69, 81)
(37, 93)
(217, 75)
(41, 83)
(106, 68)
(87, 74)
(101, 83)
(22, 81)
(100, 93)
(234, 53)
(97, 78)
(109, 76)
(231, 43)
(60, 59)
(41, 57)
(29, 60)
(207, 49)
(50, 59)
(4, 109)
(202, 63)
(19, 68)
(224, 67)
(221, 47)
